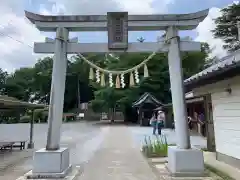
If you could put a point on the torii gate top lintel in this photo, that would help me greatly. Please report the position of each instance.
(135, 22)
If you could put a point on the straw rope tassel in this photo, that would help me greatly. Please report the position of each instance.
(117, 82)
(146, 74)
(91, 74)
(103, 83)
(131, 81)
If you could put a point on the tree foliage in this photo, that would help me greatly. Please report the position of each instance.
(229, 33)
(158, 83)
(34, 84)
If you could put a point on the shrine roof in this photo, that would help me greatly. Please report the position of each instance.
(147, 98)
(225, 68)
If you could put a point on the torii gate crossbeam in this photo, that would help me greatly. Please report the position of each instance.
(147, 47)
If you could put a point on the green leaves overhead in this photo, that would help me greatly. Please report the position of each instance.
(228, 33)
(157, 83)
(35, 83)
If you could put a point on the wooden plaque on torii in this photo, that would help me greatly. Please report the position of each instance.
(117, 26)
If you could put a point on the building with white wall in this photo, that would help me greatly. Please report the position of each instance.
(220, 86)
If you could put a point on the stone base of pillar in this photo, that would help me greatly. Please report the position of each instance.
(185, 162)
(30, 145)
(50, 164)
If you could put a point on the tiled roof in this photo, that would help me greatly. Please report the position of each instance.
(144, 97)
(226, 62)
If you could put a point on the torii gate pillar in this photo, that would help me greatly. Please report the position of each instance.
(182, 159)
(53, 161)
(57, 90)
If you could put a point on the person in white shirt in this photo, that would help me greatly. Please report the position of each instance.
(160, 121)
(153, 122)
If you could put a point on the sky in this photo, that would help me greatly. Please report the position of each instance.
(13, 23)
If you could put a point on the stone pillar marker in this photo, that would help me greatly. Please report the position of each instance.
(53, 161)
(182, 159)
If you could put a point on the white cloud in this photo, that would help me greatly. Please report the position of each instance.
(15, 55)
(103, 6)
(56, 9)
(136, 6)
(236, 2)
(205, 35)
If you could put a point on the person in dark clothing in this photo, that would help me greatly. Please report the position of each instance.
(201, 118)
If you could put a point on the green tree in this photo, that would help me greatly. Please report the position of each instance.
(19, 83)
(229, 33)
(3, 78)
(157, 83)
(42, 79)
(106, 100)
(33, 84)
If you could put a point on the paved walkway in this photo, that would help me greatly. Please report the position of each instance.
(140, 132)
(82, 139)
(117, 159)
(8, 159)
(14, 164)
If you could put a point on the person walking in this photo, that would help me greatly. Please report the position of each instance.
(160, 121)
(153, 122)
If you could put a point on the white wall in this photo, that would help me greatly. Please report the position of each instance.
(226, 115)
(216, 87)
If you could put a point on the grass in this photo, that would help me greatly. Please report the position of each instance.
(218, 172)
(155, 147)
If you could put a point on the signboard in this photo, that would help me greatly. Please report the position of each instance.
(117, 30)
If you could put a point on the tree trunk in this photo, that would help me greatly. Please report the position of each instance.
(114, 113)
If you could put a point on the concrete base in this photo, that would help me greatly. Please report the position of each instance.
(50, 164)
(75, 171)
(185, 162)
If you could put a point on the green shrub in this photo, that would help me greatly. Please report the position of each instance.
(155, 148)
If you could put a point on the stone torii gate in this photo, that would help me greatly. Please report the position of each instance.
(54, 160)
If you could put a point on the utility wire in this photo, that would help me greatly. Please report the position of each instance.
(16, 40)
(21, 42)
